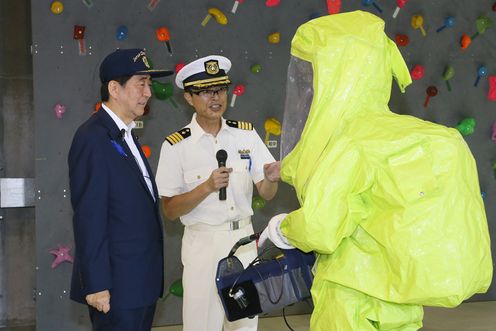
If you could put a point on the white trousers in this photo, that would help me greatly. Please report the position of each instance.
(200, 253)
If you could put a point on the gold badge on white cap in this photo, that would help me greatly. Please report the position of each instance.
(212, 67)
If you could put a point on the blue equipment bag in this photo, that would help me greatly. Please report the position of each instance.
(266, 284)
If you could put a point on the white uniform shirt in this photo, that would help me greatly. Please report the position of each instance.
(132, 146)
(190, 162)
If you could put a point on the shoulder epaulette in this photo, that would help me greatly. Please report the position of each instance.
(240, 125)
(178, 136)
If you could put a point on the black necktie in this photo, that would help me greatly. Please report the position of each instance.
(122, 134)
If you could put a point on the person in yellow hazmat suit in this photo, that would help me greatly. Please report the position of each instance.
(390, 203)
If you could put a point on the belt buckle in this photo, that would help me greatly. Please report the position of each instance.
(235, 225)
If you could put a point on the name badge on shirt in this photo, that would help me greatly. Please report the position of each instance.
(244, 154)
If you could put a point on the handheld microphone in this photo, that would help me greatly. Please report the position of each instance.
(221, 157)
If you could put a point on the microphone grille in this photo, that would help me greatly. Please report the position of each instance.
(221, 155)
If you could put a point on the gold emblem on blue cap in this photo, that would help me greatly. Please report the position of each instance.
(212, 67)
(145, 61)
(137, 56)
(142, 55)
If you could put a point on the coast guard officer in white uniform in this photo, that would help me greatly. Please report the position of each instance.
(189, 179)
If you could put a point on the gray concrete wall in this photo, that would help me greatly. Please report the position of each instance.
(17, 226)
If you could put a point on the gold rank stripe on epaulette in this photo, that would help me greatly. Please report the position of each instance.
(178, 136)
(240, 125)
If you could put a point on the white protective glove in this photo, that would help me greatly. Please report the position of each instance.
(274, 234)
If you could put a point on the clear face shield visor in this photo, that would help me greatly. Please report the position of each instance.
(299, 95)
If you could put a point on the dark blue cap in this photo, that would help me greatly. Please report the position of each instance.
(128, 62)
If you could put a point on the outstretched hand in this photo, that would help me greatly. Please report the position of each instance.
(274, 234)
(272, 171)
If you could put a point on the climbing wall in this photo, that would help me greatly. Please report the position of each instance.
(444, 43)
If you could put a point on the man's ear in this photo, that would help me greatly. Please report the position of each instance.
(113, 88)
(188, 97)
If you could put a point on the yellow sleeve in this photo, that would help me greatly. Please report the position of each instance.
(332, 205)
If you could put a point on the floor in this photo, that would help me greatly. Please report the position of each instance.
(474, 316)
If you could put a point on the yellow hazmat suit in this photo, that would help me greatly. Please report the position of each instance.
(390, 203)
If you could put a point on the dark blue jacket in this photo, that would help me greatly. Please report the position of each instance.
(118, 231)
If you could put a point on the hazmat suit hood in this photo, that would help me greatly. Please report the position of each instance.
(350, 62)
(390, 203)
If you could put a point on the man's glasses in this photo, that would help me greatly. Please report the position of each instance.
(209, 93)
